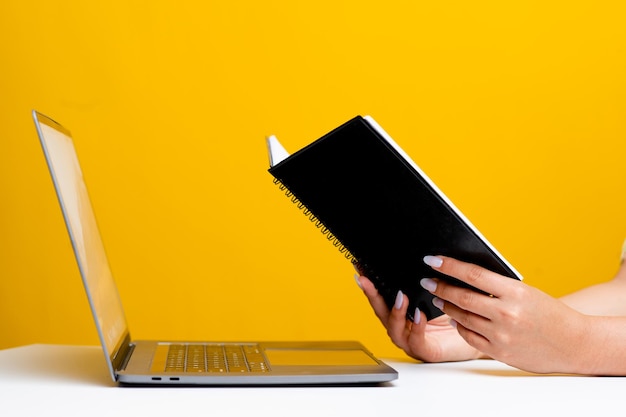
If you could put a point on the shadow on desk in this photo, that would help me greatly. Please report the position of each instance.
(516, 373)
(81, 364)
(488, 367)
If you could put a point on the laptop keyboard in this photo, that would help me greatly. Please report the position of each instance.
(198, 358)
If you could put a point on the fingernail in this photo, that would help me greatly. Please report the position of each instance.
(433, 261)
(358, 282)
(453, 323)
(438, 302)
(399, 300)
(417, 317)
(428, 284)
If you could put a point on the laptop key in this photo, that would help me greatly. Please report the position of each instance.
(198, 358)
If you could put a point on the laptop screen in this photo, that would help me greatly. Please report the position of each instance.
(81, 223)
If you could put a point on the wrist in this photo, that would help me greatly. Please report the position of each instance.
(581, 354)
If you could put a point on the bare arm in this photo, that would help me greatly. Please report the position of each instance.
(528, 329)
(605, 299)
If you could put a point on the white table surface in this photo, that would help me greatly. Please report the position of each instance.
(51, 380)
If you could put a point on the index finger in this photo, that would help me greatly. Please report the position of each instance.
(473, 275)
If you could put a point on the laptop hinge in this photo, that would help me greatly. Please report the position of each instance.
(120, 360)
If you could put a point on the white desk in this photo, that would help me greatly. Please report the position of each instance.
(50, 380)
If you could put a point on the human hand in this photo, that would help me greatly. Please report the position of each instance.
(432, 341)
(518, 324)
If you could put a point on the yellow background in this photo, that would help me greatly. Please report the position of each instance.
(516, 109)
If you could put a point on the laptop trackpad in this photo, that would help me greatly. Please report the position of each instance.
(317, 357)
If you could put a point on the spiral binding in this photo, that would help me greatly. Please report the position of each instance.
(318, 223)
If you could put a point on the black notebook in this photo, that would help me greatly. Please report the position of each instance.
(380, 210)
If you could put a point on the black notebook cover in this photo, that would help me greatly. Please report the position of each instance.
(382, 211)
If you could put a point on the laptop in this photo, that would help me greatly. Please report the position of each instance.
(151, 362)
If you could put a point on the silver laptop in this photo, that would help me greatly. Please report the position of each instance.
(183, 363)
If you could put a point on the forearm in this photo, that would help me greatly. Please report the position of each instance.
(602, 349)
